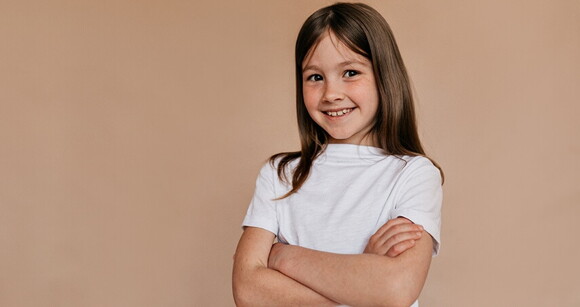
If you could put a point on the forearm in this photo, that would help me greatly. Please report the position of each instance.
(254, 284)
(357, 280)
(261, 286)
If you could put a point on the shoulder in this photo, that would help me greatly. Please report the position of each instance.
(413, 163)
(270, 171)
(417, 161)
(288, 159)
(420, 167)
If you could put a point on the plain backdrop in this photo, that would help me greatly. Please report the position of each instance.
(131, 134)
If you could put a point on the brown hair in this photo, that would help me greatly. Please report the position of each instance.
(363, 30)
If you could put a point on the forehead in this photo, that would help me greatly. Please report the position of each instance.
(330, 48)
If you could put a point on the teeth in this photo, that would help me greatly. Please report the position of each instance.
(339, 113)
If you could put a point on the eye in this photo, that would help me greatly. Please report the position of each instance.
(314, 77)
(350, 73)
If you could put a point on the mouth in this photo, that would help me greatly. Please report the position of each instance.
(338, 112)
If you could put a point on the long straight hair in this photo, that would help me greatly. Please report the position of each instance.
(363, 30)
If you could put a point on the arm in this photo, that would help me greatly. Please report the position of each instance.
(358, 280)
(254, 284)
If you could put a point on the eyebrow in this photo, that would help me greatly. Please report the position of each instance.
(342, 64)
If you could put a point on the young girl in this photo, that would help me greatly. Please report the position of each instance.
(357, 210)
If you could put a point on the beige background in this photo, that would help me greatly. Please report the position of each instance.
(131, 134)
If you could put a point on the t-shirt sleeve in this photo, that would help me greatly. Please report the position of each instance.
(419, 198)
(262, 211)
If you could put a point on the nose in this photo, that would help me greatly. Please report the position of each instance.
(333, 91)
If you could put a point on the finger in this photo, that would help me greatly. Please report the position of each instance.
(381, 246)
(395, 230)
(400, 248)
(401, 237)
(391, 223)
(380, 250)
(402, 228)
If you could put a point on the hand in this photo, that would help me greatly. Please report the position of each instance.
(393, 238)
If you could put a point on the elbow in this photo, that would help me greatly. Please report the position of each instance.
(245, 290)
(398, 295)
(241, 296)
(402, 301)
(397, 301)
(242, 293)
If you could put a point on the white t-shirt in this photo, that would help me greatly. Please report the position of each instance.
(351, 192)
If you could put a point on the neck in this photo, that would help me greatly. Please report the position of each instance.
(367, 140)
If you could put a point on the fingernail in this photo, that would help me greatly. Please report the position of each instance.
(419, 234)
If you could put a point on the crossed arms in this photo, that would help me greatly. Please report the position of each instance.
(391, 272)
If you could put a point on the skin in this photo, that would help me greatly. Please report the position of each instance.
(288, 275)
(256, 284)
(393, 238)
(393, 268)
(357, 280)
(336, 78)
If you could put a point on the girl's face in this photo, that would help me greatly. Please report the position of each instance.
(340, 92)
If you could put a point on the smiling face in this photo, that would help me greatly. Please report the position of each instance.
(340, 91)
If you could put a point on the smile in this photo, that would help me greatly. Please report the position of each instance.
(338, 113)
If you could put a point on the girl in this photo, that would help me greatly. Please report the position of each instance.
(357, 210)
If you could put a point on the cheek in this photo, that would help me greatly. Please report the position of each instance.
(310, 98)
(366, 96)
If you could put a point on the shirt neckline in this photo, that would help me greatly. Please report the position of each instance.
(351, 153)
